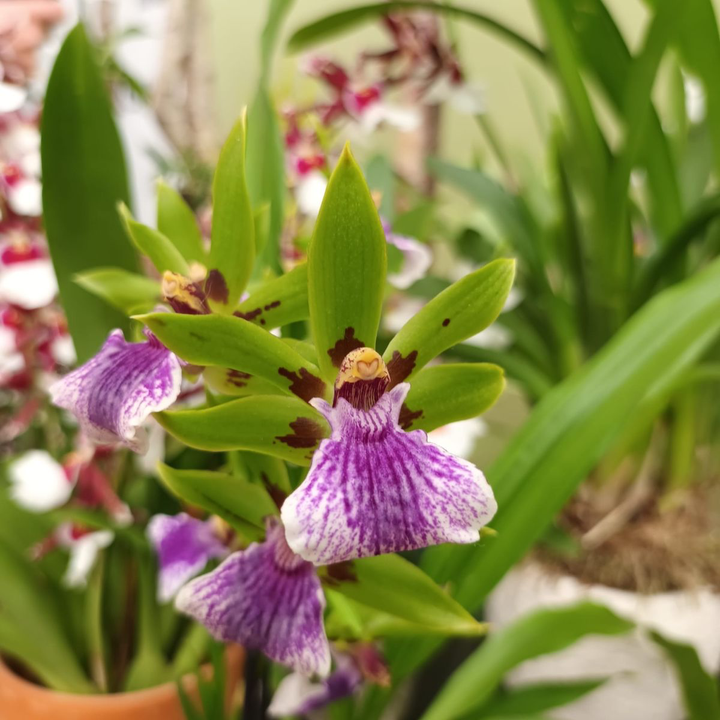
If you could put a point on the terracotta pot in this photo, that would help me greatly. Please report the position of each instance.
(23, 700)
(643, 683)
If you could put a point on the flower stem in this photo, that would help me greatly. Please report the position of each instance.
(96, 647)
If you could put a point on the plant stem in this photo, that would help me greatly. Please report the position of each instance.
(96, 648)
(192, 650)
(255, 687)
(682, 441)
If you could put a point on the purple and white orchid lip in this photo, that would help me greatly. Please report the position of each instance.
(184, 545)
(113, 393)
(374, 489)
(265, 598)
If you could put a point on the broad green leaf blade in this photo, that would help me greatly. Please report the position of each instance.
(347, 262)
(395, 586)
(447, 393)
(542, 632)
(278, 302)
(280, 426)
(462, 310)
(162, 253)
(230, 342)
(331, 25)
(237, 383)
(176, 221)
(536, 698)
(30, 627)
(243, 504)
(128, 292)
(700, 689)
(84, 177)
(232, 251)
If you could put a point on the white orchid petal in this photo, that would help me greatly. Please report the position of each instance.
(38, 482)
(29, 285)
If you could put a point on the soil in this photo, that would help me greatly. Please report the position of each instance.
(661, 549)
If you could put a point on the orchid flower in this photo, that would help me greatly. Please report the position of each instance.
(38, 482)
(113, 393)
(370, 109)
(459, 438)
(266, 598)
(464, 96)
(184, 545)
(373, 488)
(417, 258)
(27, 278)
(12, 361)
(84, 548)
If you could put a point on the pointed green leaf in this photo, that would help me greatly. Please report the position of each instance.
(397, 587)
(462, 310)
(230, 342)
(232, 251)
(278, 302)
(700, 690)
(447, 393)
(272, 425)
(347, 262)
(176, 221)
(162, 253)
(128, 292)
(539, 633)
(236, 383)
(83, 179)
(242, 504)
(537, 697)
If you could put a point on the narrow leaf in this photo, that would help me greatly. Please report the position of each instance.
(347, 262)
(176, 221)
(536, 698)
(128, 292)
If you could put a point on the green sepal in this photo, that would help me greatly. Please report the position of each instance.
(126, 291)
(176, 221)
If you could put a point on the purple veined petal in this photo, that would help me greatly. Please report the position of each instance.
(417, 259)
(113, 393)
(374, 489)
(265, 598)
(298, 695)
(183, 545)
(38, 482)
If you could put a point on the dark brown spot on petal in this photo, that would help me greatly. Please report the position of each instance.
(250, 315)
(400, 367)
(408, 417)
(238, 378)
(197, 336)
(262, 321)
(216, 288)
(446, 322)
(346, 344)
(339, 573)
(272, 305)
(305, 434)
(278, 496)
(304, 384)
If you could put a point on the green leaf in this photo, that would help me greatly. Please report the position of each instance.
(447, 393)
(278, 302)
(331, 25)
(237, 383)
(536, 698)
(176, 221)
(395, 586)
(84, 177)
(542, 632)
(128, 292)
(232, 251)
(700, 689)
(162, 253)
(230, 342)
(280, 426)
(347, 262)
(462, 310)
(242, 504)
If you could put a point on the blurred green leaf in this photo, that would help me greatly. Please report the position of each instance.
(176, 221)
(278, 302)
(84, 177)
(128, 292)
(284, 427)
(447, 393)
(462, 310)
(542, 632)
(242, 504)
(700, 689)
(232, 250)
(331, 25)
(347, 262)
(230, 342)
(162, 253)
(395, 586)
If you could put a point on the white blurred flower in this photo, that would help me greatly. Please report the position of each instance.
(12, 97)
(29, 284)
(62, 350)
(459, 438)
(417, 259)
(694, 98)
(310, 191)
(369, 108)
(84, 549)
(465, 97)
(11, 359)
(38, 482)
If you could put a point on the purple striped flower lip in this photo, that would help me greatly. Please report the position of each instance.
(113, 393)
(184, 545)
(265, 598)
(374, 488)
